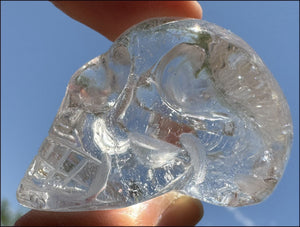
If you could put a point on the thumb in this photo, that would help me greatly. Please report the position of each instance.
(169, 209)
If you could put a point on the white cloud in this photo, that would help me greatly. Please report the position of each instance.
(240, 217)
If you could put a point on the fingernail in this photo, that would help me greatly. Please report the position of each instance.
(185, 211)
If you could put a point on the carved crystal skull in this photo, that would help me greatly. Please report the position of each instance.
(175, 104)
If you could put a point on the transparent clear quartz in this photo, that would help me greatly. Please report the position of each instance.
(175, 104)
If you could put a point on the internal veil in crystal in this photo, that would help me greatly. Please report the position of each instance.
(179, 105)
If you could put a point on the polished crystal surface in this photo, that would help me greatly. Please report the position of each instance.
(175, 104)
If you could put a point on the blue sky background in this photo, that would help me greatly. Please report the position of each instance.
(41, 48)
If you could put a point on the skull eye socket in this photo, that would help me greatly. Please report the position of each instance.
(93, 87)
(183, 76)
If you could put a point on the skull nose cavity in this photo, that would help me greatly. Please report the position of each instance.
(197, 153)
(108, 141)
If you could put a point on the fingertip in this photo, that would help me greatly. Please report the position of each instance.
(185, 211)
(197, 9)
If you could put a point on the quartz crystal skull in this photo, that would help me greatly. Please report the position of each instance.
(175, 104)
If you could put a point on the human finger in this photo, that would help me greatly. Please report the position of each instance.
(169, 209)
(111, 18)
